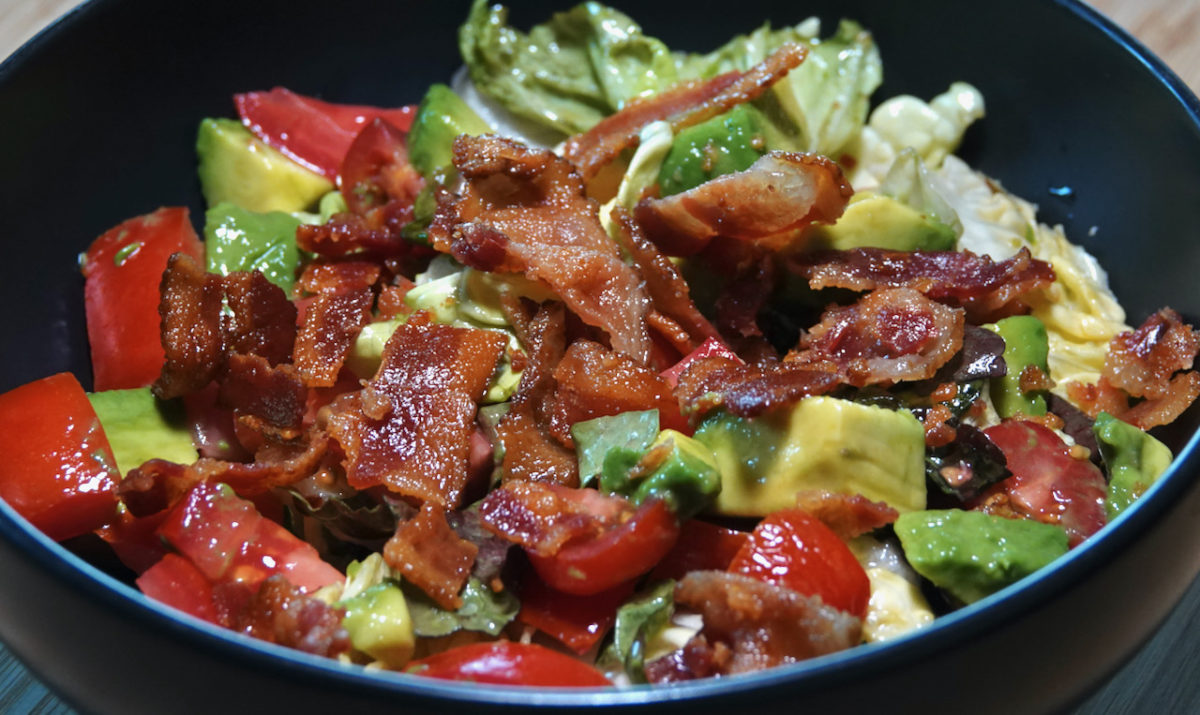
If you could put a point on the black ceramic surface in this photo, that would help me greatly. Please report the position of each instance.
(99, 117)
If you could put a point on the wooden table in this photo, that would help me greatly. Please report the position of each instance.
(1164, 678)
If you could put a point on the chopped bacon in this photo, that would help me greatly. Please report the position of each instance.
(192, 337)
(331, 324)
(748, 390)
(410, 429)
(432, 556)
(1181, 392)
(762, 624)
(768, 204)
(1143, 361)
(390, 303)
(339, 277)
(986, 289)
(1033, 378)
(530, 451)
(696, 659)
(939, 430)
(847, 515)
(593, 381)
(890, 335)
(544, 517)
(260, 320)
(274, 395)
(282, 613)
(743, 297)
(524, 211)
(684, 105)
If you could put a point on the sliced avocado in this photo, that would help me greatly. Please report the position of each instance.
(236, 166)
(722, 145)
(876, 221)
(594, 438)
(676, 468)
(379, 624)
(441, 117)
(1135, 460)
(821, 443)
(1025, 344)
(141, 427)
(971, 554)
(237, 239)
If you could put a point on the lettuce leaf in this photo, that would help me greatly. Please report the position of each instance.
(908, 181)
(638, 621)
(935, 129)
(482, 610)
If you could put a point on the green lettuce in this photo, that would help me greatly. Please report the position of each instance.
(482, 610)
(908, 181)
(638, 621)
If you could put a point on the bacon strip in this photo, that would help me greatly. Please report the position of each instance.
(331, 324)
(340, 277)
(410, 429)
(890, 335)
(282, 613)
(432, 556)
(274, 395)
(543, 517)
(847, 515)
(524, 211)
(986, 289)
(767, 204)
(748, 390)
(192, 337)
(260, 320)
(684, 105)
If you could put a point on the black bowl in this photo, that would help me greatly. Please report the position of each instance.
(99, 117)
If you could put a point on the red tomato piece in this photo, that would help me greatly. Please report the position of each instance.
(58, 470)
(1048, 484)
(314, 133)
(123, 269)
(177, 583)
(135, 539)
(376, 169)
(701, 547)
(509, 663)
(577, 622)
(709, 348)
(622, 553)
(790, 548)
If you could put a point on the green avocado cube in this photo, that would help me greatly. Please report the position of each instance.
(141, 427)
(1135, 460)
(237, 167)
(722, 145)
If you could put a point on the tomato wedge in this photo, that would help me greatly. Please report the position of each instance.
(376, 169)
(313, 133)
(622, 553)
(509, 663)
(793, 549)
(577, 622)
(123, 269)
(701, 547)
(58, 469)
(1048, 484)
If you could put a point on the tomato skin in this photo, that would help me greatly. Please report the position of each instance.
(790, 548)
(578, 622)
(702, 546)
(176, 582)
(620, 554)
(509, 663)
(1048, 484)
(376, 169)
(317, 134)
(123, 269)
(58, 469)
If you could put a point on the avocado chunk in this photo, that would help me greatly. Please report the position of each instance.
(440, 117)
(237, 239)
(379, 625)
(877, 221)
(675, 468)
(595, 438)
(235, 166)
(725, 144)
(1025, 344)
(141, 427)
(1135, 460)
(821, 443)
(971, 554)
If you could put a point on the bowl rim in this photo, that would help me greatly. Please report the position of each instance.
(946, 631)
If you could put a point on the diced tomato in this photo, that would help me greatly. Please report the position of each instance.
(376, 169)
(177, 583)
(793, 549)
(575, 621)
(509, 663)
(701, 547)
(314, 133)
(123, 269)
(622, 553)
(58, 469)
(1048, 484)
(709, 348)
(135, 539)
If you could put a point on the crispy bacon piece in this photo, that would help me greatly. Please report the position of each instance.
(274, 395)
(847, 515)
(410, 429)
(696, 659)
(192, 337)
(748, 390)
(530, 452)
(524, 211)
(986, 289)
(684, 105)
(543, 517)
(339, 277)
(743, 297)
(593, 381)
(432, 556)
(768, 204)
(331, 324)
(281, 613)
(260, 320)
(762, 624)
(890, 335)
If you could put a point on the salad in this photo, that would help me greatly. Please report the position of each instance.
(603, 364)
